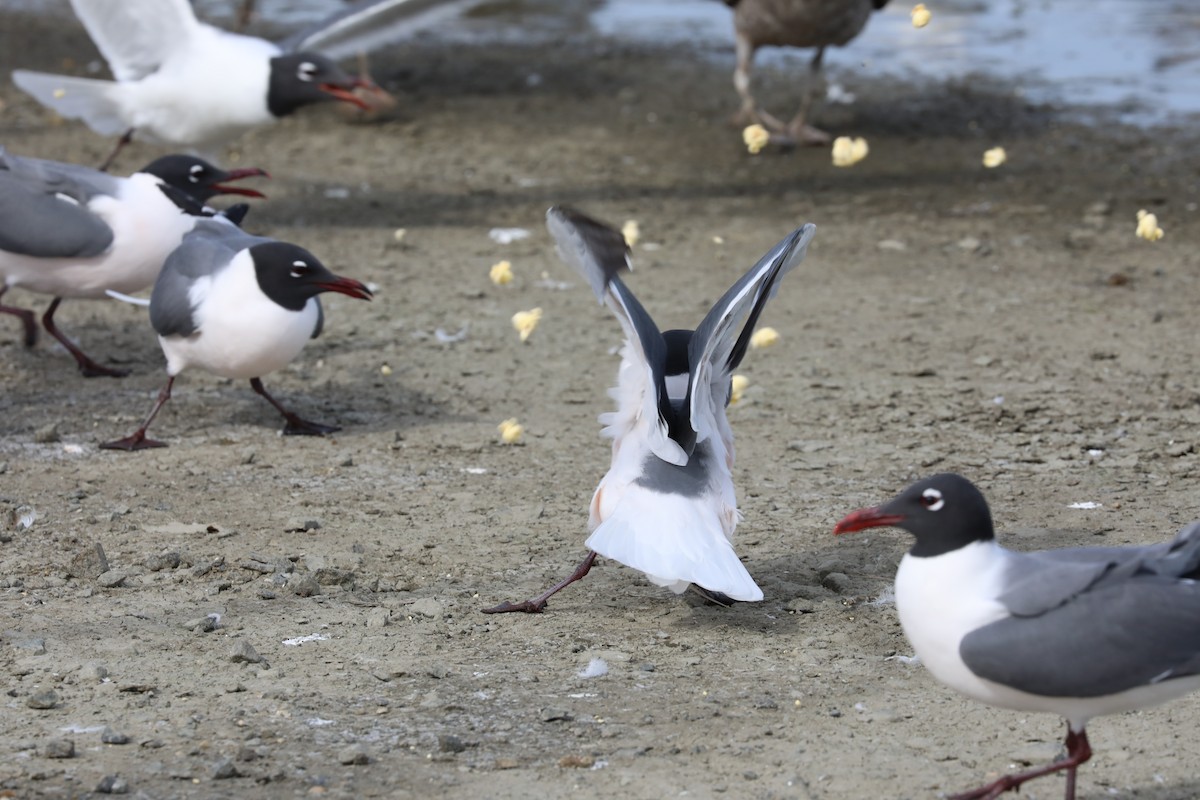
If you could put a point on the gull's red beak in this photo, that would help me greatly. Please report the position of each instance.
(866, 518)
(237, 175)
(347, 286)
(345, 95)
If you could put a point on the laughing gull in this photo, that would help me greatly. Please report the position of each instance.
(181, 82)
(72, 231)
(667, 505)
(792, 23)
(238, 306)
(1079, 632)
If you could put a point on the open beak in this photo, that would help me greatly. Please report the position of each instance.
(347, 286)
(866, 518)
(344, 95)
(236, 175)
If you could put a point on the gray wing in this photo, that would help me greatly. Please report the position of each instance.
(721, 339)
(368, 24)
(1094, 621)
(37, 221)
(206, 250)
(136, 36)
(599, 254)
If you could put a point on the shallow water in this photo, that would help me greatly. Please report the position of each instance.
(1140, 58)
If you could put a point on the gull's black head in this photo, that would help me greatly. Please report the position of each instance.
(200, 179)
(291, 276)
(945, 512)
(301, 79)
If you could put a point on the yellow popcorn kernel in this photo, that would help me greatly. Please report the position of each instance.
(994, 157)
(501, 273)
(631, 232)
(510, 431)
(921, 15)
(526, 321)
(756, 138)
(764, 337)
(399, 234)
(848, 152)
(59, 94)
(738, 384)
(385, 370)
(1147, 227)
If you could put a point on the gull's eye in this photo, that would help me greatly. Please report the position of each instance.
(299, 269)
(307, 71)
(932, 499)
(195, 172)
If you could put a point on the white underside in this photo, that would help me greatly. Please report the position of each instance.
(942, 599)
(674, 539)
(241, 333)
(146, 228)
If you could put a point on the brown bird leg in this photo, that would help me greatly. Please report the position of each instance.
(537, 604)
(138, 440)
(295, 425)
(749, 113)
(87, 366)
(1078, 751)
(26, 317)
(798, 131)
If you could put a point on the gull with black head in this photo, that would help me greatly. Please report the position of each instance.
(1078, 632)
(238, 306)
(667, 505)
(72, 231)
(183, 83)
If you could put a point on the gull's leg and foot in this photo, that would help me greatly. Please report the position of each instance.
(1078, 751)
(750, 113)
(798, 131)
(87, 366)
(125, 139)
(295, 425)
(138, 440)
(537, 604)
(27, 319)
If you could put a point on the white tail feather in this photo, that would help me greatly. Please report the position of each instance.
(76, 98)
(675, 541)
(127, 298)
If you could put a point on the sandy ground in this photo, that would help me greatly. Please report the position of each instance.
(1006, 324)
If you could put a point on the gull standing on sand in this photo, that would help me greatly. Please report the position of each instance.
(238, 306)
(72, 231)
(1079, 632)
(667, 506)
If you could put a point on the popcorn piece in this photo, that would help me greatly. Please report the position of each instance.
(848, 152)
(399, 234)
(921, 15)
(385, 370)
(994, 157)
(510, 431)
(764, 337)
(631, 232)
(1147, 227)
(59, 94)
(501, 273)
(756, 138)
(526, 321)
(738, 384)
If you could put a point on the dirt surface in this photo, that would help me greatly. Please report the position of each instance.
(1002, 323)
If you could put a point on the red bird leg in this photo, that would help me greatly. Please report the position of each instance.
(295, 425)
(87, 366)
(1078, 751)
(138, 440)
(26, 317)
(537, 604)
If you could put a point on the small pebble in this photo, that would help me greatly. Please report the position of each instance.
(449, 743)
(354, 755)
(244, 653)
(112, 784)
(59, 748)
(225, 768)
(110, 736)
(427, 607)
(44, 700)
(112, 579)
(47, 434)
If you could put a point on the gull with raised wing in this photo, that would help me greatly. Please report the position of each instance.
(667, 506)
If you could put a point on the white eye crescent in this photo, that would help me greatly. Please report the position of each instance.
(299, 269)
(932, 499)
(307, 71)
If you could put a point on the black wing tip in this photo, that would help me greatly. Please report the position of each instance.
(604, 243)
